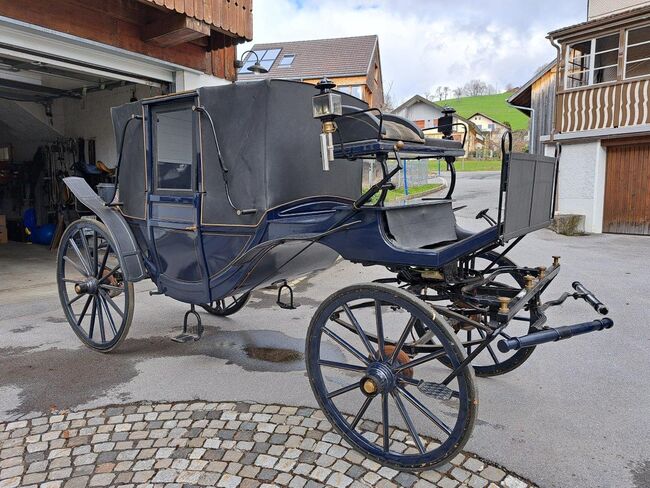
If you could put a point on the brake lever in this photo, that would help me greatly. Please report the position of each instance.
(483, 215)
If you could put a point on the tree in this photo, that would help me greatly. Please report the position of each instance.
(389, 104)
(457, 92)
(475, 88)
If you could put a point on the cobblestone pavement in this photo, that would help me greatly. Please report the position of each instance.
(208, 444)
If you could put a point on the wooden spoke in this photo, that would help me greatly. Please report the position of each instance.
(111, 273)
(112, 303)
(345, 389)
(417, 404)
(70, 302)
(343, 343)
(379, 320)
(402, 339)
(384, 421)
(92, 319)
(361, 411)
(76, 250)
(421, 360)
(359, 330)
(336, 365)
(100, 316)
(409, 423)
(83, 311)
(75, 265)
(109, 316)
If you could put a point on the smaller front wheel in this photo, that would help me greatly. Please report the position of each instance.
(96, 299)
(227, 306)
(370, 376)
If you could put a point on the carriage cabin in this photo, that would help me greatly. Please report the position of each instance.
(602, 117)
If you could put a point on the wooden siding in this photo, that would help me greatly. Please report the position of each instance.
(120, 23)
(233, 17)
(604, 107)
(627, 199)
(542, 99)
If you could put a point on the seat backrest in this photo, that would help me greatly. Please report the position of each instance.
(421, 225)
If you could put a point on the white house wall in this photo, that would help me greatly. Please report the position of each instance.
(581, 182)
(421, 111)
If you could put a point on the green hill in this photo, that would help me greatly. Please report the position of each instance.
(493, 106)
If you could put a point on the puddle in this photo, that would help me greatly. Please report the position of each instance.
(21, 330)
(273, 354)
(65, 378)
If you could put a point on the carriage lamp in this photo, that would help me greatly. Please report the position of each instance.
(326, 107)
(446, 122)
(256, 68)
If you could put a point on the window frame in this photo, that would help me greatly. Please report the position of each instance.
(627, 46)
(176, 106)
(591, 69)
(281, 64)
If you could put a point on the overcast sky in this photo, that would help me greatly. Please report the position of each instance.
(429, 43)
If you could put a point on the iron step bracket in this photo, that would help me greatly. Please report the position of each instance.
(187, 336)
(291, 305)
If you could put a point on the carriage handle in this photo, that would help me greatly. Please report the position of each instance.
(119, 158)
(224, 170)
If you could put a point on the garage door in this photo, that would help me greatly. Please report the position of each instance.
(627, 190)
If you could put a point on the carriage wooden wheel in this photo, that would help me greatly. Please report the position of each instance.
(96, 299)
(367, 376)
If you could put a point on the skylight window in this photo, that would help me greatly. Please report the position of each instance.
(287, 60)
(267, 57)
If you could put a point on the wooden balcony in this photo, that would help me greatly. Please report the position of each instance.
(614, 105)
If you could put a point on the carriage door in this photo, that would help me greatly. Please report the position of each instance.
(175, 200)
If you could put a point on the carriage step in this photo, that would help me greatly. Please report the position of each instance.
(187, 336)
(435, 390)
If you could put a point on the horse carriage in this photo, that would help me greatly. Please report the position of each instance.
(224, 190)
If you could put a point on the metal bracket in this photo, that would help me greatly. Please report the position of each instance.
(186, 336)
(287, 306)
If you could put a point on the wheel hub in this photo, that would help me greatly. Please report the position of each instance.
(378, 379)
(89, 286)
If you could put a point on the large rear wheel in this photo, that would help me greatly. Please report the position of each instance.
(368, 378)
(227, 305)
(96, 299)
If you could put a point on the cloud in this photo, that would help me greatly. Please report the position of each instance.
(432, 43)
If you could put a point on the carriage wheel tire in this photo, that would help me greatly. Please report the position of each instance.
(103, 308)
(221, 308)
(436, 445)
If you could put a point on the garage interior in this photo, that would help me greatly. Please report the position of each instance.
(55, 122)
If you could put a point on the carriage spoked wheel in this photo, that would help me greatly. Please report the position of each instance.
(390, 400)
(96, 299)
(491, 361)
(227, 306)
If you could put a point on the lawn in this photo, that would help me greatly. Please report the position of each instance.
(494, 106)
(398, 193)
(467, 165)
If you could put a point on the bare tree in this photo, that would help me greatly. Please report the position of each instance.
(475, 88)
(457, 92)
(389, 104)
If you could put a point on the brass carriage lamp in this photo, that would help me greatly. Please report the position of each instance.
(326, 106)
(256, 68)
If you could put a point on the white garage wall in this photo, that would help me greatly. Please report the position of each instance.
(90, 118)
(581, 182)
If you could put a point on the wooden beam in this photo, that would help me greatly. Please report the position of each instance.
(173, 30)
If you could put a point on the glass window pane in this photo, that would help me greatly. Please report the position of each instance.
(250, 61)
(642, 34)
(606, 43)
(270, 55)
(638, 52)
(287, 60)
(606, 59)
(577, 78)
(640, 68)
(174, 149)
(604, 75)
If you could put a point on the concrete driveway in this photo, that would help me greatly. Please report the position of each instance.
(575, 415)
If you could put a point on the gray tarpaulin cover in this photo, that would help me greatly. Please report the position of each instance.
(270, 144)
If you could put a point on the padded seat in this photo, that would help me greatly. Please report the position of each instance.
(441, 143)
(423, 225)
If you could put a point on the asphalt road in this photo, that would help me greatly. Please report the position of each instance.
(575, 415)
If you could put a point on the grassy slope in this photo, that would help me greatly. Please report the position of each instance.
(494, 106)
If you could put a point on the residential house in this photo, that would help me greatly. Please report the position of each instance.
(353, 63)
(536, 99)
(425, 114)
(65, 63)
(602, 117)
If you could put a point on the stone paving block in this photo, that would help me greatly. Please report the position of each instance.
(512, 482)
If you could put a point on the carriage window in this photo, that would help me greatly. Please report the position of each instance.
(174, 149)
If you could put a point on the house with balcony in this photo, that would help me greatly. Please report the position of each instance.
(602, 117)
(353, 63)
